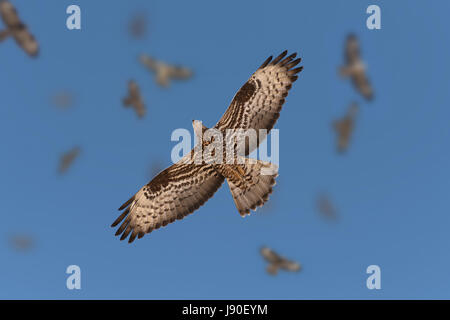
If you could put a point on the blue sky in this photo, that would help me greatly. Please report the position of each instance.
(391, 188)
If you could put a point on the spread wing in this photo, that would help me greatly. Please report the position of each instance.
(180, 73)
(270, 255)
(26, 41)
(353, 58)
(9, 14)
(135, 99)
(258, 103)
(149, 62)
(290, 265)
(18, 30)
(362, 84)
(173, 194)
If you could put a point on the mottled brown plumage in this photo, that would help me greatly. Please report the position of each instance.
(277, 262)
(17, 29)
(185, 186)
(344, 128)
(134, 99)
(355, 68)
(165, 72)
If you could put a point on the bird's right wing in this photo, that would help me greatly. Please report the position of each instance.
(172, 194)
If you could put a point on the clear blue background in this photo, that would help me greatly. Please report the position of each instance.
(391, 189)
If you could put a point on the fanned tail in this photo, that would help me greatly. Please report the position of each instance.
(250, 183)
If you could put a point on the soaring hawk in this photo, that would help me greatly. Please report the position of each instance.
(183, 187)
(134, 99)
(164, 72)
(344, 127)
(355, 67)
(277, 262)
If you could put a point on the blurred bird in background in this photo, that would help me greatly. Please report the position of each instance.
(277, 262)
(17, 29)
(344, 128)
(68, 158)
(326, 207)
(355, 68)
(21, 242)
(165, 72)
(63, 99)
(134, 99)
(137, 26)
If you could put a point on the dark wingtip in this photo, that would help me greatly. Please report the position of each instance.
(278, 59)
(126, 203)
(120, 218)
(265, 63)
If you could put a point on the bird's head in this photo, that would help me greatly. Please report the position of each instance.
(199, 128)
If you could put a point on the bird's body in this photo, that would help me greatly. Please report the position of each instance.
(134, 99)
(277, 262)
(186, 185)
(17, 29)
(355, 67)
(165, 72)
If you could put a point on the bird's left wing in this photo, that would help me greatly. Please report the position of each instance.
(258, 103)
(270, 255)
(172, 194)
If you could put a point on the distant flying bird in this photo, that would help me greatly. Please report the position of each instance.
(277, 262)
(186, 185)
(325, 206)
(344, 128)
(22, 242)
(68, 158)
(63, 99)
(17, 29)
(134, 99)
(138, 25)
(165, 72)
(355, 67)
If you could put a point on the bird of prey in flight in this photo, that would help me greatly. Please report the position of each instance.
(22, 242)
(183, 187)
(277, 262)
(165, 72)
(134, 99)
(137, 26)
(17, 29)
(325, 206)
(68, 158)
(355, 67)
(63, 99)
(344, 128)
